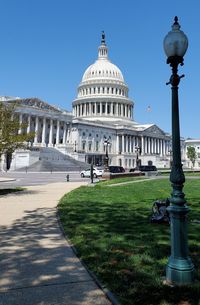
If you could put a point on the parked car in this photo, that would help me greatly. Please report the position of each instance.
(144, 168)
(97, 172)
(116, 169)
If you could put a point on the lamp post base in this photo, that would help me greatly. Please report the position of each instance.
(179, 271)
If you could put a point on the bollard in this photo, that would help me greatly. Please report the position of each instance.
(67, 177)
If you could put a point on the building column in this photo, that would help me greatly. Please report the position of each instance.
(158, 146)
(20, 122)
(133, 150)
(129, 144)
(100, 108)
(161, 146)
(121, 105)
(149, 145)
(122, 143)
(117, 144)
(58, 132)
(142, 145)
(164, 148)
(90, 108)
(117, 109)
(95, 108)
(111, 109)
(36, 130)
(44, 132)
(145, 145)
(64, 133)
(29, 124)
(51, 134)
(126, 144)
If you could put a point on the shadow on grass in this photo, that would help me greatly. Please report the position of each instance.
(112, 232)
(7, 191)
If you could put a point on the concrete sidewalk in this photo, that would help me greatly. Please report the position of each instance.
(37, 265)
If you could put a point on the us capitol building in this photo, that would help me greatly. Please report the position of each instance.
(101, 112)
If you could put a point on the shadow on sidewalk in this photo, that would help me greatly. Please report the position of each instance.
(34, 253)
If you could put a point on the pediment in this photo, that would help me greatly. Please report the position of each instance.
(154, 130)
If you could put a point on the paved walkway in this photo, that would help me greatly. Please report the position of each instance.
(37, 265)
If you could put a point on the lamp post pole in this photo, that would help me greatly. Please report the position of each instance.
(75, 146)
(137, 149)
(180, 269)
(106, 163)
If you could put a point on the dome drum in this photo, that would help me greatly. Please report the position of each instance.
(105, 89)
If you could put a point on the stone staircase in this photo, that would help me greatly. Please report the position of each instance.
(52, 160)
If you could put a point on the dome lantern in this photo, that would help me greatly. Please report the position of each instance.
(103, 50)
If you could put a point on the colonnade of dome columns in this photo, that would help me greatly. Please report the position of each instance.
(48, 131)
(101, 90)
(103, 108)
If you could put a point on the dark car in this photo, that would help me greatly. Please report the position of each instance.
(116, 169)
(144, 168)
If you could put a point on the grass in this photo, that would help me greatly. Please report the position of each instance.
(111, 230)
(9, 191)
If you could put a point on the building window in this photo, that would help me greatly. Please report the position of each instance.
(97, 145)
(103, 108)
(83, 134)
(98, 108)
(83, 146)
(90, 146)
(93, 108)
(108, 109)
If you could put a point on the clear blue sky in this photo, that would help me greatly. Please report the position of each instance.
(46, 45)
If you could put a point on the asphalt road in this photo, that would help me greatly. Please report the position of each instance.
(39, 178)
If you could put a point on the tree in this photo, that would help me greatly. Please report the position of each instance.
(191, 154)
(10, 138)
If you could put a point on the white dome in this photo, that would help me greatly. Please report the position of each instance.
(103, 69)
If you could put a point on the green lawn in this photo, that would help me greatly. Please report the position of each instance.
(110, 228)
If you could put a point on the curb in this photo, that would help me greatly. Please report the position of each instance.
(110, 296)
(8, 180)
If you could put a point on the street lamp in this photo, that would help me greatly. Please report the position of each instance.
(180, 269)
(137, 149)
(75, 146)
(106, 166)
